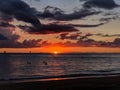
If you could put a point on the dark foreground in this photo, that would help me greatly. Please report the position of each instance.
(91, 83)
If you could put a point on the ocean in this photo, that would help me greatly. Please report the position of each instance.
(32, 66)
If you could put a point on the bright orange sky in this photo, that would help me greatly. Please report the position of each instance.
(65, 50)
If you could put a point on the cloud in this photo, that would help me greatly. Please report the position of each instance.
(93, 43)
(81, 37)
(73, 36)
(10, 39)
(116, 41)
(87, 10)
(86, 40)
(50, 12)
(53, 28)
(107, 35)
(15, 44)
(85, 37)
(77, 15)
(5, 17)
(19, 10)
(108, 19)
(63, 36)
(105, 4)
(87, 26)
(58, 14)
(30, 43)
(6, 24)
(49, 29)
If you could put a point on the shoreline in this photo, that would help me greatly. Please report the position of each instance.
(75, 83)
(40, 53)
(60, 77)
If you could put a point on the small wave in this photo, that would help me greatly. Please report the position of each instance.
(60, 76)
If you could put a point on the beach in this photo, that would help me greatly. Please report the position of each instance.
(72, 83)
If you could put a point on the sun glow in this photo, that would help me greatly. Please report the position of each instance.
(55, 52)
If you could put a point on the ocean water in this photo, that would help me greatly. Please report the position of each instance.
(28, 66)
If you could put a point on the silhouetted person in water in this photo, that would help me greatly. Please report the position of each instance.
(4, 52)
(45, 63)
(28, 62)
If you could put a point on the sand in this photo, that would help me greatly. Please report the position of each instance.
(74, 83)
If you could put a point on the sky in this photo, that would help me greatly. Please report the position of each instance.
(60, 25)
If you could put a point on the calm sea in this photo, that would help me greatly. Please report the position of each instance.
(27, 66)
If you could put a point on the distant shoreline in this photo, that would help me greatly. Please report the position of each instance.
(60, 53)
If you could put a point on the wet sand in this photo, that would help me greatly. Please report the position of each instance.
(73, 83)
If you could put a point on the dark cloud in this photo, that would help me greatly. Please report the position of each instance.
(86, 10)
(117, 41)
(56, 28)
(108, 19)
(105, 4)
(30, 43)
(73, 36)
(58, 14)
(2, 37)
(107, 35)
(87, 26)
(85, 40)
(63, 36)
(5, 17)
(13, 43)
(19, 10)
(77, 14)
(6, 24)
(86, 36)
(49, 29)
(10, 39)
(50, 12)
(93, 43)
(79, 36)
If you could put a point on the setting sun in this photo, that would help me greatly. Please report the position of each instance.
(55, 52)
